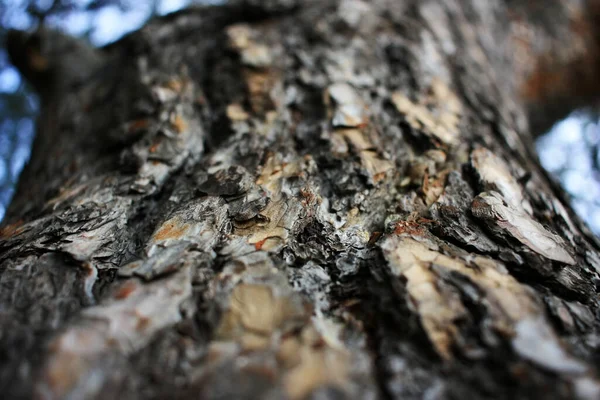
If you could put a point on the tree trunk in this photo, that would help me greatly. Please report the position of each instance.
(303, 199)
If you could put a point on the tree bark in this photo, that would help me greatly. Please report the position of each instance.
(303, 199)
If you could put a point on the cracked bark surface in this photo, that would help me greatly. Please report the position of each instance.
(301, 199)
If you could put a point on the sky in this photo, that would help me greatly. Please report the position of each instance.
(566, 151)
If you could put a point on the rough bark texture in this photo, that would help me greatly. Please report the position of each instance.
(300, 199)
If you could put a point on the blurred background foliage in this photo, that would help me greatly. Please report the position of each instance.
(570, 151)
